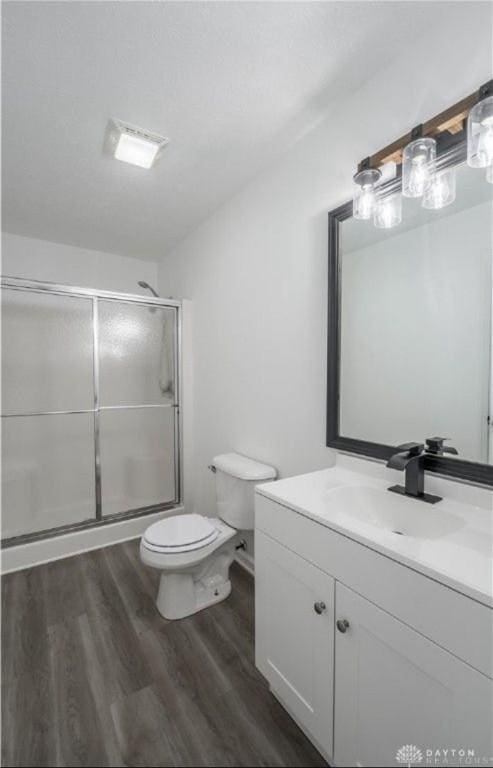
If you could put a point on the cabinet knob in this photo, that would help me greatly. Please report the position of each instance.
(319, 607)
(342, 625)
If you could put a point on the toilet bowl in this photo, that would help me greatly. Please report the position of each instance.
(195, 573)
(194, 552)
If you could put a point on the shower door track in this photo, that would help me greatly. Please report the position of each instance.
(84, 525)
(38, 286)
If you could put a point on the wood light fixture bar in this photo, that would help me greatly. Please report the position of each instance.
(451, 120)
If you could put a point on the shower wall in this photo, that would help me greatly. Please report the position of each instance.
(34, 259)
(89, 408)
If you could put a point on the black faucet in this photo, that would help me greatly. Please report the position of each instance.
(435, 446)
(411, 459)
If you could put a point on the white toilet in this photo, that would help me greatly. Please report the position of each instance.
(195, 552)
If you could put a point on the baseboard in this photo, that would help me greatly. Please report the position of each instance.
(246, 561)
(56, 548)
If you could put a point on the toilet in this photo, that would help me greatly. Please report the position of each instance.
(194, 552)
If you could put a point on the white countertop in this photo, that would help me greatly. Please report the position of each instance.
(460, 556)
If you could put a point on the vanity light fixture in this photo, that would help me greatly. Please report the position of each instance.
(133, 145)
(421, 155)
(364, 196)
(440, 189)
(418, 164)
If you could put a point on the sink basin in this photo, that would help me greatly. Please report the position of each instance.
(451, 541)
(389, 512)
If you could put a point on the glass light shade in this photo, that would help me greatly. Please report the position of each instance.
(480, 134)
(440, 190)
(489, 174)
(136, 151)
(388, 211)
(418, 165)
(364, 193)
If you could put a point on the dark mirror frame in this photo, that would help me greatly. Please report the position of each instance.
(451, 150)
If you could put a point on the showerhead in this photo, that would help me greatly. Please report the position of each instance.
(148, 287)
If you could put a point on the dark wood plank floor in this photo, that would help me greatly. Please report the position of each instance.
(94, 676)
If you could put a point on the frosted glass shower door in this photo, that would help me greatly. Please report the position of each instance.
(48, 465)
(137, 405)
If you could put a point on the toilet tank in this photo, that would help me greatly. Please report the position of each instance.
(236, 478)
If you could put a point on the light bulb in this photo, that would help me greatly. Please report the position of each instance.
(485, 144)
(480, 134)
(388, 211)
(418, 165)
(418, 176)
(440, 190)
(366, 201)
(364, 193)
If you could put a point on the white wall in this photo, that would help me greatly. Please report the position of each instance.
(54, 262)
(256, 270)
(415, 328)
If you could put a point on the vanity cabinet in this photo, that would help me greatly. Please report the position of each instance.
(376, 667)
(295, 635)
(395, 687)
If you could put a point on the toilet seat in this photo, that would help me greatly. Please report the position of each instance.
(180, 533)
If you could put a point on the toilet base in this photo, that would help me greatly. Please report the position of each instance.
(187, 591)
(179, 596)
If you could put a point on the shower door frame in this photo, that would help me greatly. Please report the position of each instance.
(38, 286)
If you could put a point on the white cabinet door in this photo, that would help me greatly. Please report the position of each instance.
(393, 687)
(295, 635)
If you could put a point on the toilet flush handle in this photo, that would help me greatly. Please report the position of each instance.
(212, 468)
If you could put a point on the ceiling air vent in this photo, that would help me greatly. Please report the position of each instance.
(133, 145)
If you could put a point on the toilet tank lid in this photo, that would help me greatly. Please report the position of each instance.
(236, 465)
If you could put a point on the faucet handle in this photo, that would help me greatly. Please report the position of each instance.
(413, 449)
(435, 445)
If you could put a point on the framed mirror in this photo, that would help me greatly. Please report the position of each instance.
(410, 326)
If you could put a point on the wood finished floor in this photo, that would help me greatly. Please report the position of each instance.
(94, 676)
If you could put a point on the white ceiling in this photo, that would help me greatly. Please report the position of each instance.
(232, 84)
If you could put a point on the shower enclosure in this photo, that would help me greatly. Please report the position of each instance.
(90, 408)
